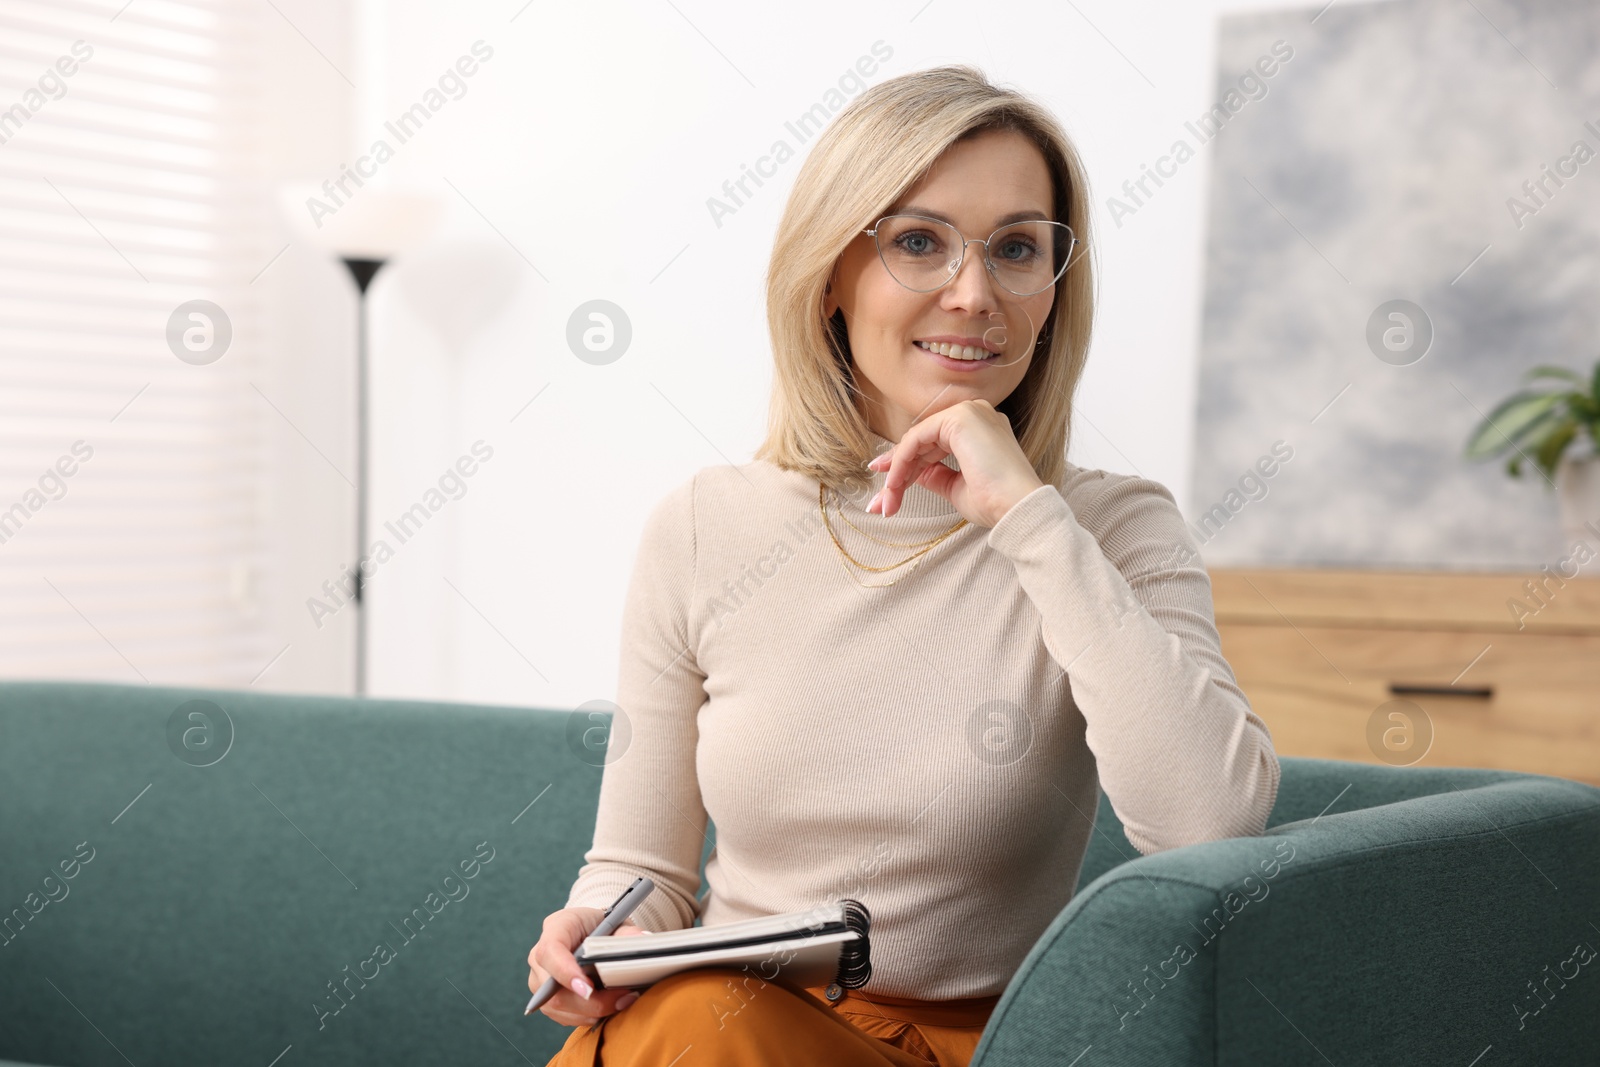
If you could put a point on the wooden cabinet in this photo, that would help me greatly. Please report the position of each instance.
(1427, 669)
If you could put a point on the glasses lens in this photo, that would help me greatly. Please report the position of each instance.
(921, 254)
(1028, 257)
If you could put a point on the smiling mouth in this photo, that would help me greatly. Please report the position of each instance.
(962, 352)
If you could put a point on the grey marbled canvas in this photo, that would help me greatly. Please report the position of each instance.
(1382, 163)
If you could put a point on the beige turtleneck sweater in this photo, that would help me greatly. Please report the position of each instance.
(934, 748)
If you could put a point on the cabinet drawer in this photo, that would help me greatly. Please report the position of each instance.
(1317, 687)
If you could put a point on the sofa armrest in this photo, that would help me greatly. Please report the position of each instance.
(1423, 931)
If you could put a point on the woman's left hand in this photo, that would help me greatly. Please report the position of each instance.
(994, 475)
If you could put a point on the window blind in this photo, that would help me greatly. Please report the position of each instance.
(131, 480)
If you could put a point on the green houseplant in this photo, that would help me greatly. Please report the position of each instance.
(1556, 426)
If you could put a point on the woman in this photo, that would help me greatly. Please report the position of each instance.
(913, 701)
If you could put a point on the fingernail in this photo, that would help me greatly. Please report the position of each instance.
(626, 999)
(875, 497)
(582, 988)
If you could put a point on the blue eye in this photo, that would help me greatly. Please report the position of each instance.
(916, 243)
(1018, 250)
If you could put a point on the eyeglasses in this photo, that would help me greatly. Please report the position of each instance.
(923, 254)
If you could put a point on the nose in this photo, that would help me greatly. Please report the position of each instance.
(973, 288)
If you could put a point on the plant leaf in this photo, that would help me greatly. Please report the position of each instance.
(1500, 429)
(1555, 443)
(1533, 435)
(1549, 370)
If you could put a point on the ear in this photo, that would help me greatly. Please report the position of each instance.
(830, 303)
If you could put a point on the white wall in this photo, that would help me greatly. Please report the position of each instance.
(577, 166)
(308, 109)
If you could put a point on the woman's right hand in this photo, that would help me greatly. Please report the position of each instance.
(564, 931)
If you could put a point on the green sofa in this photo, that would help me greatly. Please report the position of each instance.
(229, 877)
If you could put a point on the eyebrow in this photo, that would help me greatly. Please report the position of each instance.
(1004, 220)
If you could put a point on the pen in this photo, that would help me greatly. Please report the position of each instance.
(614, 917)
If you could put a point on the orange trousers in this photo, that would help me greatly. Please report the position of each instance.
(726, 1015)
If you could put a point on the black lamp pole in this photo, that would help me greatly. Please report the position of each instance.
(363, 271)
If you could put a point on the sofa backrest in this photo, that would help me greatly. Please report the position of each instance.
(197, 877)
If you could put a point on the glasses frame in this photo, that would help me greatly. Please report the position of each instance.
(961, 259)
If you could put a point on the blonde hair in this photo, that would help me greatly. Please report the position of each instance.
(866, 159)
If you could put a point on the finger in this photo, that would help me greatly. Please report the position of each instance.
(569, 1010)
(567, 1018)
(537, 976)
(567, 1002)
(918, 449)
(900, 475)
(940, 479)
(893, 462)
(554, 958)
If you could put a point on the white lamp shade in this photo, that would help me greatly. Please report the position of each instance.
(369, 224)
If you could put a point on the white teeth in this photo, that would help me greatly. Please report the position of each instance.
(955, 351)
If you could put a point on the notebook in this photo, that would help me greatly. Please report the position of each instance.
(827, 943)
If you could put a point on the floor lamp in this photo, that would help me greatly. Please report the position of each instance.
(364, 231)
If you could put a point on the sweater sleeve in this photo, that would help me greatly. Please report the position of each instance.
(1125, 608)
(650, 819)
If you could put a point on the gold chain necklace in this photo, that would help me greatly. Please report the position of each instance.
(915, 559)
(890, 544)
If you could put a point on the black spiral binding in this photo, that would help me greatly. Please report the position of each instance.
(855, 957)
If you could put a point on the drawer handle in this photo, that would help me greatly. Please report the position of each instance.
(1483, 692)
